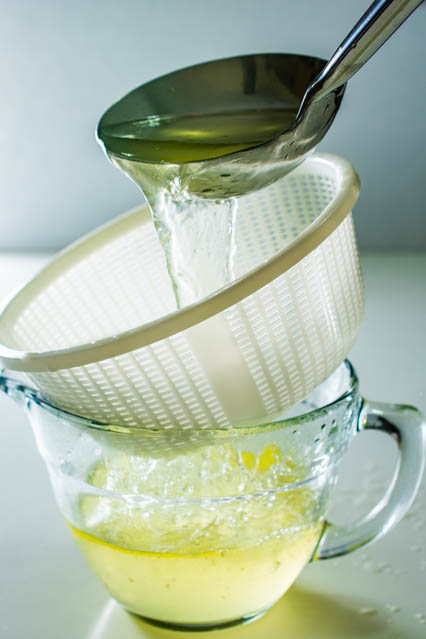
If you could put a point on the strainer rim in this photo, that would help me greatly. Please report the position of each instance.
(167, 325)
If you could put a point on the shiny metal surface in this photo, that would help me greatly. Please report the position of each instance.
(376, 25)
(311, 85)
(232, 84)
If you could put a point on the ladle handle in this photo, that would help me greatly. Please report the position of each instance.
(374, 27)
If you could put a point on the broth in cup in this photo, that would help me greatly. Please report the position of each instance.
(196, 529)
(246, 525)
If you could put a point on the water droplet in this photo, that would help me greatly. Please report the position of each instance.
(377, 568)
(392, 609)
(368, 611)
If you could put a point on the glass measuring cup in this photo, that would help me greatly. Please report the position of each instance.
(200, 529)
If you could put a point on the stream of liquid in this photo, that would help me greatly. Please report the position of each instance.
(195, 229)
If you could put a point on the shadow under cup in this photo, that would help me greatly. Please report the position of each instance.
(207, 528)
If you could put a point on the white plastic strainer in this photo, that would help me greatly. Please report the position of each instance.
(95, 332)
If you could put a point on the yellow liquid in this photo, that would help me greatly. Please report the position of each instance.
(212, 587)
(194, 563)
(194, 137)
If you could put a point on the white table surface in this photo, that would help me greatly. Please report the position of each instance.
(48, 592)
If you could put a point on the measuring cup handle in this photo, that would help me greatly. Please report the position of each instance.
(407, 427)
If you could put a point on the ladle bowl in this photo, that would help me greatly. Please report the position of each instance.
(238, 84)
(308, 90)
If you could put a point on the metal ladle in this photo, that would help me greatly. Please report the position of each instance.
(311, 87)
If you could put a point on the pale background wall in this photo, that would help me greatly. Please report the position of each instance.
(63, 63)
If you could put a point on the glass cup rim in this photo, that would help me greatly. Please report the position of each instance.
(350, 390)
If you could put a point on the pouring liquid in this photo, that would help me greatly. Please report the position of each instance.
(195, 226)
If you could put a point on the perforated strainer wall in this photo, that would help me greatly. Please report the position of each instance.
(274, 217)
(244, 365)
